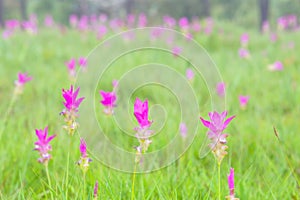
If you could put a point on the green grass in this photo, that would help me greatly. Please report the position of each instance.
(264, 167)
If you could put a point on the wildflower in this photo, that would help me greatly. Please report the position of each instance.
(276, 66)
(243, 101)
(230, 178)
(23, 78)
(82, 62)
(71, 108)
(183, 130)
(216, 127)
(48, 21)
(244, 39)
(220, 89)
(42, 145)
(84, 159)
(190, 74)
(109, 99)
(143, 134)
(244, 53)
(96, 188)
(176, 51)
(71, 65)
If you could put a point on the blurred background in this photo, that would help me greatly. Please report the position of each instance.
(246, 13)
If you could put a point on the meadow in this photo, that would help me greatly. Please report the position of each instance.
(267, 166)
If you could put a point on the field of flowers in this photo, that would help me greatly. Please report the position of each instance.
(238, 139)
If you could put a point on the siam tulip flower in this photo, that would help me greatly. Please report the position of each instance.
(190, 74)
(102, 30)
(103, 18)
(143, 133)
(183, 23)
(96, 188)
(6, 34)
(220, 89)
(42, 145)
(156, 33)
(244, 39)
(30, 27)
(73, 20)
(243, 101)
(183, 130)
(109, 99)
(169, 22)
(273, 37)
(189, 36)
(84, 159)
(71, 65)
(130, 20)
(196, 27)
(82, 62)
(12, 24)
(209, 23)
(71, 108)
(142, 21)
(244, 53)
(216, 127)
(23, 78)
(176, 51)
(265, 27)
(276, 66)
(83, 24)
(230, 179)
(49, 22)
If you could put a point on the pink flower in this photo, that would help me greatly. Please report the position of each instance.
(183, 23)
(169, 21)
(176, 51)
(102, 30)
(73, 20)
(22, 79)
(230, 179)
(48, 21)
(71, 65)
(71, 102)
(141, 113)
(96, 187)
(142, 21)
(108, 98)
(183, 130)
(220, 89)
(243, 101)
(115, 84)
(244, 53)
(190, 74)
(82, 62)
(244, 39)
(273, 37)
(42, 145)
(276, 66)
(84, 160)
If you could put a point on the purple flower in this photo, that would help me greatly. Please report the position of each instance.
(82, 62)
(42, 145)
(141, 113)
(243, 101)
(230, 179)
(190, 74)
(84, 160)
(276, 66)
(71, 65)
(71, 102)
(244, 53)
(22, 79)
(218, 122)
(96, 187)
(183, 130)
(176, 51)
(220, 89)
(244, 39)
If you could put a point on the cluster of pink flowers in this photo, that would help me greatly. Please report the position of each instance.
(71, 108)
(71, 65)
(288, 22)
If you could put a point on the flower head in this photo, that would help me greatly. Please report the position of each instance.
(244, 53)
(22, 79)
(190, 74)
(109, 98)
(244, 39)
(141, 113)
(243, 101)
(71, 102)
(42, 145)
(71, 65)
(84, 160)
(176, 51)
(220, 89)
(230, 179)
(96, 187)
(82, 62)
(276, 66)
(183, 130)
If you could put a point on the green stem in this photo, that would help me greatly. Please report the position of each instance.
(219, 176)
(11, 103)
(133, 180)
(49, 180)
(83, 196)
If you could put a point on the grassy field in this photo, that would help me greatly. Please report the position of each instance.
(265, 167)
